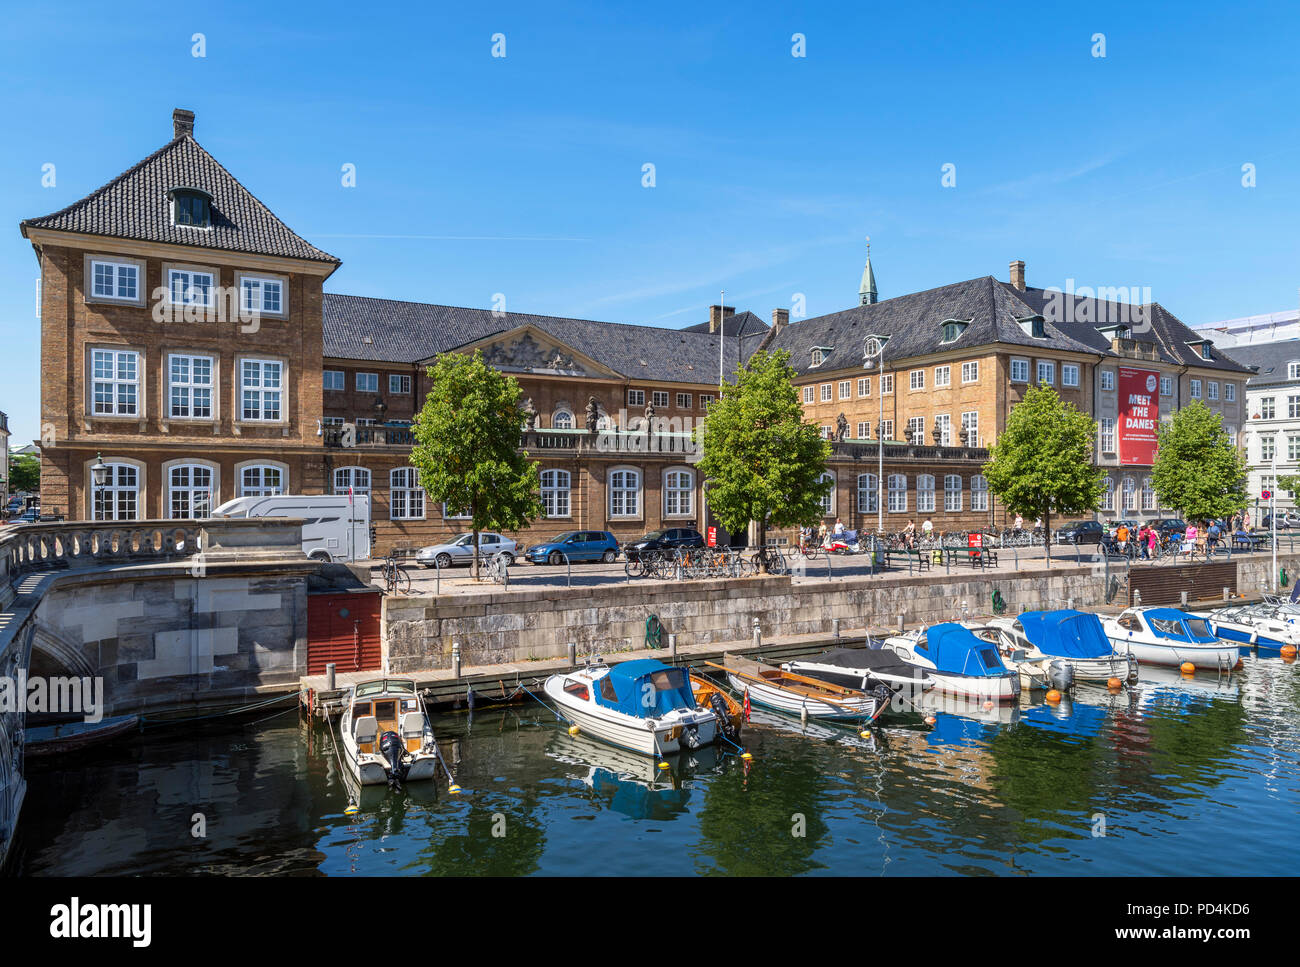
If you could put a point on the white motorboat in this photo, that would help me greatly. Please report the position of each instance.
(385, 735)
(1167, 636)
(794, 694)
(1072, 638)
(958, 661)
(865, 669)
(1266, 627)
(642, 705)
(1037, 672)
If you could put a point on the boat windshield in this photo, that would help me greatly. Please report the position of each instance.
(386, 685)
(1199, 628)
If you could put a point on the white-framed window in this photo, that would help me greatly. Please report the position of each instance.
(262, 295)
(979, 492)
(1148, 494)
(555, 493)
(952, 499)
(916, 380)
(828, 498)
(1293, 370)
(365, 421)
(1230, 392)
(808, 393)
(1293, 407)
(335, 379)
(399, 384)
(1292, 448)
(886, 429)
(868, 493)
(1046, 372)
(825, 432)
(1108, 379)
(636, 397)
(826, 392)
(115, 382)
(1069, 374)
(562, 420)
(114, 280)
(190, 288)
(679, 493)
(624, 493)
(261, 480)
(942, 376)
(1166, 386)
(925, 493)
(944, 422)
(332, 420)
(119, 498)
(846, 389)
(1267, 447)
(1195, 391)
(189, 491)
(897, 501)
(453, 514)
(367, 382)
(1019, 370)
(864, 431)
(970, 372)
(659, 399)
(970, 422)
(1266, 409)
(358, 478)
(1107, 434)
(189, 387)
(1108, 494)
(1231, 430)
(864, 386)
(1128, 487)
(684, 401)
(261, 384)
(706, 400)
(1212, 390)
(405, 495)
(916, 430)
(886, 383)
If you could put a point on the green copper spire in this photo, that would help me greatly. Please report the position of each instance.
(867, 291)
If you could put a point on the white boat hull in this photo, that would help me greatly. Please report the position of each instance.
(1205, 657)
(627, 732)
(1001, 688)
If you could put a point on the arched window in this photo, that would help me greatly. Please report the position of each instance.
(261, 480)
(1108, 494)
(1148, 494)
(405, 495)
(562, 420)
(119, 497)
(679, 493)
(979, 493)
(925, 493)
(868, 493)
(358, 478)
(952, 492)
(555, 493)
(189, 491)
(1129, 488)
(624, 493)
(897, 493)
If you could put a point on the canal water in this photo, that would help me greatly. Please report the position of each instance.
(1176, 776)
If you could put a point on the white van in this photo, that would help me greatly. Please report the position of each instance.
(335, 527)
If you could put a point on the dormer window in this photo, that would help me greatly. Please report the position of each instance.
(1292, 370)
(1033, 327)
(1203, 347)
(191, 207)
(820, 353)
(952, 330)
(1205, 351)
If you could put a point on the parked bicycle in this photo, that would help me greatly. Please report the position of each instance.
(396, 580)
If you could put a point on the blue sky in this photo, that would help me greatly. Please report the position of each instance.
(522, 175)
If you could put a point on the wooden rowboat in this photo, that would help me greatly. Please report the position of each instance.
(797, 694)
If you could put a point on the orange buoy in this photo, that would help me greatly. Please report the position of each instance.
(930, 720)
(1187, 668)
(1114, 684)
(988, 706)
(1288, 651)
(1053, 696)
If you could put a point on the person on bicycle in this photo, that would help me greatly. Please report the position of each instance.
(1212, 535)
(909, 534)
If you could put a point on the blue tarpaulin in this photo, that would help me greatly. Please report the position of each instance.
(1066, 634)
(645, 688)
(1179, 625)
(957, 651)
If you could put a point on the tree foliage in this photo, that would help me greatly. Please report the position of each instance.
(1043, 462)
(762, 462)
(1198, 472)
(24, 473)
(467, 446)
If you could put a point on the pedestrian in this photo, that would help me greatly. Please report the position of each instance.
(821, 533)
(1143, 542)
(1212, 535)
(1121, 536)
(927, 528)
(1019, 524)
(839, 527)
(909, 534)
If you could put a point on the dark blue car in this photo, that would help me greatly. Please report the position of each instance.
(575, 546)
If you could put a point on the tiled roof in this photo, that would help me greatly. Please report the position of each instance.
(1271, 359)
(740, 323)
(134, 205)
(408, 332)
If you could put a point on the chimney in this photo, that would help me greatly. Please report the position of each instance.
(717, 314)
(780, 319)
(1018, 275)
(182, 123)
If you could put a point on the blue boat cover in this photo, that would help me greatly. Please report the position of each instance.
(956, 651)
(1179, 625)
(645, 688)
(1066, 634)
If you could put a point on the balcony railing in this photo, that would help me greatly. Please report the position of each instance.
(868, 449)
(337, 437)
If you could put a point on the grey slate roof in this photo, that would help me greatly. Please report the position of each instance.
(1271, 359)
(740, 323)
(407, 332)
(134, 205)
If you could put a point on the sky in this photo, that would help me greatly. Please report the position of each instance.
(780, 139)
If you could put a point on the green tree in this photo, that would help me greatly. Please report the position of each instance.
(1198, 472)
(1042, 462)
(761, 461)
(467, 447)
(24, 473)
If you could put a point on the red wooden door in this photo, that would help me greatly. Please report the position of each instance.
(343, 629)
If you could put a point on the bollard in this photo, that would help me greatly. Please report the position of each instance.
(1069, 604)
(568, 567)
(672, 645)
(1182, 596)
(437, 577)
(835, 627)
(572, 648)
(455, 659)
(1137, 597)
(900, 624)
(1227, 593)
(758, 634)
(329, 674)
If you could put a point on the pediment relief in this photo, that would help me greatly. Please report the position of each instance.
(526, 353)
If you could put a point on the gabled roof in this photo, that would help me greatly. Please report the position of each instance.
(409, 332)
(134, 205)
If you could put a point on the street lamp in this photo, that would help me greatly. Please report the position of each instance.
(99, 476)
(873, 355)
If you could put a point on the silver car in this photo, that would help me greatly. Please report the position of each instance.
(460, 550)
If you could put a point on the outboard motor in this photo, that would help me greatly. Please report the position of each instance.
(1061, 675)
(691, 737)
(883, 695)
(390, 746)
(719, 706)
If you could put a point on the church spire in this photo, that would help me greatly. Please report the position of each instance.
(867, 291)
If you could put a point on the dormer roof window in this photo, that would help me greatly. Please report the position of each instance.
(952, 329)
(1033, 327)
(1204, 347)
(819, 354)
(191, 207)
(1115, 331)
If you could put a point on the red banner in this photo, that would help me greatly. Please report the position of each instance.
(713, 537)
(1139, 416)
